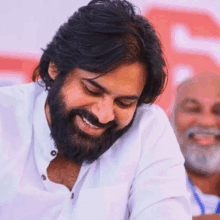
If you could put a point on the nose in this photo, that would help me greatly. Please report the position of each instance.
(104, 110)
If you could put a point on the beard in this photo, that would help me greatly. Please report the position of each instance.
(202, 159)
(74, 144)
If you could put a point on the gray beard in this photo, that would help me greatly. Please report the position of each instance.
(202, 159)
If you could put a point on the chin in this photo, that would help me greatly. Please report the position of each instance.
(202, 169)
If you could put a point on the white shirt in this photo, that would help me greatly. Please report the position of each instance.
(210, 202)
(140, 177)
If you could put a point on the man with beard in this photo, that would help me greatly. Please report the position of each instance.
(196, 119)
(84, 141)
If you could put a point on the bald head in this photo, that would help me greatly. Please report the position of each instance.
(205, 85)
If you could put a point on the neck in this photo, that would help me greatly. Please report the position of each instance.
(208, 184)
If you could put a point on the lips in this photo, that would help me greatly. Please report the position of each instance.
(204, 138)
(87, 127)
(88, 123)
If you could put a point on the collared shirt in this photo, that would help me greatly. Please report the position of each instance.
(140, 177)
(209, 201)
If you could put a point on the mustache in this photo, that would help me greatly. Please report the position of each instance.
(191, 132)
(92, 118)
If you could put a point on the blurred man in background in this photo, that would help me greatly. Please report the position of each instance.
(196, 120)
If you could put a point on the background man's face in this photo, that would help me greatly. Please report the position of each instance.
(197, 124)
(89, 114)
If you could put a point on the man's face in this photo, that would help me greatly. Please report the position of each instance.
(197, 124)
(88, 113)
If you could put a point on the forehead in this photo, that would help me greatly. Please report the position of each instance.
(125, 79)
(204, 89)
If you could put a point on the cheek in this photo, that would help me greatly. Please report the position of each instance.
(183, 121)
(74, 98)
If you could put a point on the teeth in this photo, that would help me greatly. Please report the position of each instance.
(199, 136)
(202, 136)
(88, 123)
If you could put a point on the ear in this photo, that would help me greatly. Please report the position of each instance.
(52, 70)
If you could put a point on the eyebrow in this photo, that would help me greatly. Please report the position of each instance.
(187, 100)
(132, 97)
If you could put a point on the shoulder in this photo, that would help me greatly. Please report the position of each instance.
(152, 134)
(154, 128)
(19, 95)
(151, 109)
(22, 89)
(16, 112)
(150, 117)
(16, 107)
(150, 125)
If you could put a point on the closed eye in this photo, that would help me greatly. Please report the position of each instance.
(191, 105)
(92, 92)
(125, 104)
(193, 110)
(216, 111)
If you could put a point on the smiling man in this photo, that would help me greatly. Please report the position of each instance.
(196, 118)
(84, 141)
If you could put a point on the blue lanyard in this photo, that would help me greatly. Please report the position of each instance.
(196, 196)
(218, 208)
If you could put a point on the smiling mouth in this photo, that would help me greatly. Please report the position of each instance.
(204, 138)
(89, 124)
(87, 127)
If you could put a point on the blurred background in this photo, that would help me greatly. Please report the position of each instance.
(189, 31)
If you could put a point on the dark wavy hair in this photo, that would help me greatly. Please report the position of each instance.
(99, 38)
